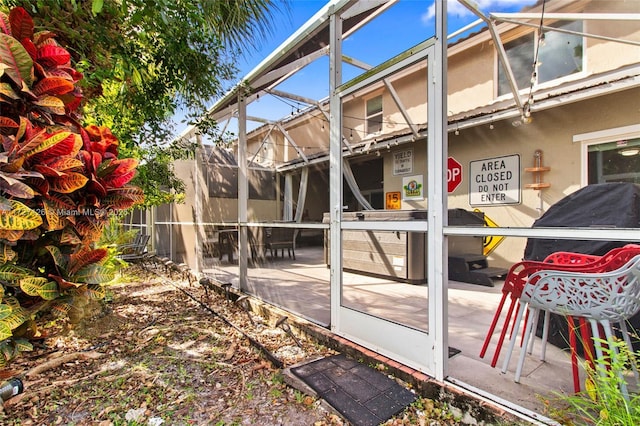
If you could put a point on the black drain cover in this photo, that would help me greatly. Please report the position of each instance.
(364, 396)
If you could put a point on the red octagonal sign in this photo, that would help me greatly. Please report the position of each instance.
(454, 174)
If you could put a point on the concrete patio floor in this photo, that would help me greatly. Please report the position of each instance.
(301, 287)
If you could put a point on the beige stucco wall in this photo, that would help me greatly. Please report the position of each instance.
(552, 132)
(604, 55)
(470, 78)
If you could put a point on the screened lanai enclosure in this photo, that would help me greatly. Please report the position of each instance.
(391, 209)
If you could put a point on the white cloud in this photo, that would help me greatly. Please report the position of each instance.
(456, 9)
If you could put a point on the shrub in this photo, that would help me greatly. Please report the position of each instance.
(606, 400)
(60, 183)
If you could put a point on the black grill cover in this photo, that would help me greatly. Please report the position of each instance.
(606, 204)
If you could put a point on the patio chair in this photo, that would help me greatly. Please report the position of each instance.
(601, 298)
(136, 251)
(519, 274)
(281, 239)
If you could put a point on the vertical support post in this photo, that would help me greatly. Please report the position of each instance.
(150, 221)
(335, 164)
(437, 274)
(287, 212)
(243, 190)
(171, 222)
(199, 228)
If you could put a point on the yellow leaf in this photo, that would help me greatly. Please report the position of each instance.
(52, 103)
(19, 218)
(590, 386)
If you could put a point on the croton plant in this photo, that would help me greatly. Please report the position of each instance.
(59, 184)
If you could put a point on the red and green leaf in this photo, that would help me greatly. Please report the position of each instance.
(21, 23)
(8, 123)
(64, 163)
(42, 37)
(51, 55)
(68, 183)
(7, 91)
(62, 201)
(60, 308)
(65, 284)
(10, 235)
(53, 86)
(132, 193)
(88, 229)
(58, 257)
(16, 60)
(5, 26)
(41, 142)
(48, 171)
(86, 257)
(51, 214)
(94, 274)
(118, 181)
(52, 103)
(69, 237)
(6, 254)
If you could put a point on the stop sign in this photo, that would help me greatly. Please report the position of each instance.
(454, 174)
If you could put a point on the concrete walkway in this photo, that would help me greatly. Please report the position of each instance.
(301, 286)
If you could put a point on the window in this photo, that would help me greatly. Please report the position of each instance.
(374, 115)
(614, 162)
(559, 55)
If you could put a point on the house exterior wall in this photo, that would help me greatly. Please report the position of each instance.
(472, 90)
(470, 78)
(552, 132)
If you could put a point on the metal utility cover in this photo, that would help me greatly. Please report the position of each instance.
(361, 394)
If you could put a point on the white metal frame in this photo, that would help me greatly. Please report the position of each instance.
(424, 351)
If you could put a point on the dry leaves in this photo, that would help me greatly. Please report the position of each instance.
(153, 356)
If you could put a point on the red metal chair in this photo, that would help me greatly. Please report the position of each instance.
(601, 298)
(561, 261)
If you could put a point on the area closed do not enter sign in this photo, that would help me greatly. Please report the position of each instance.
(454, 174)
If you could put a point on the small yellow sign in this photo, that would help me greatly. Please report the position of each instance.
(393, 200)
(490, 242)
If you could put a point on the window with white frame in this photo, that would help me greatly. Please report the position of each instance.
(617, 161)
(610, 155)
(559, 54)
(373, 116)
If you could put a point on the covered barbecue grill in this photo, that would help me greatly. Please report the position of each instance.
(615, 205)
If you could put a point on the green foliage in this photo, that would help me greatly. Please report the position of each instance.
(60, 183)
(146, 61)
(604, 402)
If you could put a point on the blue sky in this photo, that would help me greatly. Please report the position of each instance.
(404, 25)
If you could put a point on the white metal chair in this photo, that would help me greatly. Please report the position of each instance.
(601, 298)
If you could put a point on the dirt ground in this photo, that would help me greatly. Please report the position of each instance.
(150, 355)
